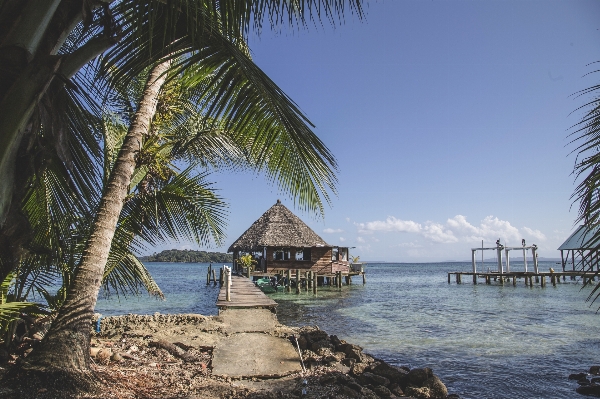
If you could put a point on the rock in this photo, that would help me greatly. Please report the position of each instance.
(593, 390)
(595, 380)
(453, 396)
(417, 392)
(327, 379)
(358, 368)
(356, 354)
(345, 390)
(437, 389)
(341, 368)
(302, 342)
(373, 379)
(396, 389)
(366, 393)
(335, 341)
(577, 376)
(325, 352)
(418, 376)
(583, 381)
(595, 370)
(324, 343)
(382, 391)
(354, 386)
(348, 362)
(394, 374)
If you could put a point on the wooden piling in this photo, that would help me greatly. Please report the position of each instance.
(214, 276)
(297, 281)
(543, 281)
(475, 278)
(457, 278)
(364, 278)
(314, 287)
(515, 281)
(289, 281)
(554, 280)
(449, 274)
(306, 281)
(221, 276)
(309, 280)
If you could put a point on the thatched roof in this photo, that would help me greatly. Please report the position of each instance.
(277, 227)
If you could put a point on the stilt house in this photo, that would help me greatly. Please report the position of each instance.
(581, 249)
(280, 241)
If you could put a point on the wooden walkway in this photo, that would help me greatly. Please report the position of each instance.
(244, 294)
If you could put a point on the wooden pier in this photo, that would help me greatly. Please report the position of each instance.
(243, 294)
(541, 278)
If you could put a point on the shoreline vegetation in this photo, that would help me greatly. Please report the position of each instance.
(171, 356)
(187, 256)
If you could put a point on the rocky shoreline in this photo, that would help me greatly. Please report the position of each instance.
(177, 350)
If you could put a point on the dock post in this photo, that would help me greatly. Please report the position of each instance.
(449, 278)
(227, 284)
(457, 278)
(364, 278)
(474, 263)
(348, 279)
(309, 280)
(339, 280)
(221, 276)
(208, 275)
(289, 281)
(537, 278)
(514, 281)
(554, 280)
(214, 277)
(306, 280)
(314, 276)
(297, 281)
(524, 256)
(499, 251)
(535, 259)
(544, 281)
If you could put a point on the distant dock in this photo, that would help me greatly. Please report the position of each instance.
(504, 274)
(529, 277)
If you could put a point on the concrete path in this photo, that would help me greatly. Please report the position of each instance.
(251, 348)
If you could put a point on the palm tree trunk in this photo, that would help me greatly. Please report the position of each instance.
(67, 344)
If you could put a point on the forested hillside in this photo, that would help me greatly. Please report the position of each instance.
(177, 255)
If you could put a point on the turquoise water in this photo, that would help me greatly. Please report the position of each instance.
(483, 341)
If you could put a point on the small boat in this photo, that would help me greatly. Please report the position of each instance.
(267, 285)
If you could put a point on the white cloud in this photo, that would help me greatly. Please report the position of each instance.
(390, 224)
(360, 239)
(408, 245)
(342, 239)
(536, 234)
(330, 230)
(456, 229)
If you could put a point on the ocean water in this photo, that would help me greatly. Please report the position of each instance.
(484, 341)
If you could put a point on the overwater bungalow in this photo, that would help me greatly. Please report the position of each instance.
(280, 242)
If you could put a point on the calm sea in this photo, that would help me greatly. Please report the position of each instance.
(483, 341)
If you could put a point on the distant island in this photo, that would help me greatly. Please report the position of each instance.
(188, 256)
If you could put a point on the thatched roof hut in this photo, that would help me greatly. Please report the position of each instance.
(277, 227)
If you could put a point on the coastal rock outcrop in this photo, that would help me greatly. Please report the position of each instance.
(369, 377)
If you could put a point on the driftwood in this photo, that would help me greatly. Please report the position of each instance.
(173, 350)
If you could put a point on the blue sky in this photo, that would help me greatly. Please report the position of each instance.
(448, 119)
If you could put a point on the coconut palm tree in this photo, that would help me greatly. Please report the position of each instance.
(586, 138)
(44, 43)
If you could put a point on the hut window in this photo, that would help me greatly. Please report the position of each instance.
(281, 254)
(306, 254)
(303, 254)
(343, 253)
(334, 254)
